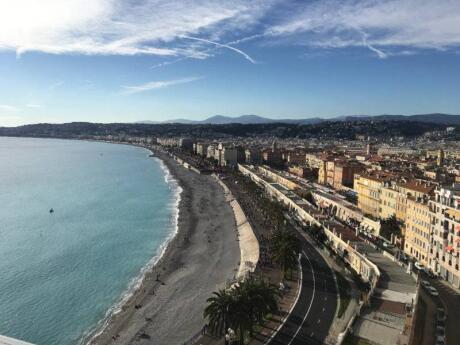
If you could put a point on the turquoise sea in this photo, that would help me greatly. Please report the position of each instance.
(62, 272)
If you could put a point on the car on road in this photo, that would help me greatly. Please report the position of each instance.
(440, 339)
(419, 266)
(426, 284)
(433, 291)
(440, 314)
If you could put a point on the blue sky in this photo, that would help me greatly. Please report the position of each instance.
(131, 60)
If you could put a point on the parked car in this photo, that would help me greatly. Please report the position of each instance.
(440, 315)
(430, 274)
(440, 339)
(433, 291)
(419, 266)
(426, 284)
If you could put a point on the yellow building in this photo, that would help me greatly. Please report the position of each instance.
(415, 188)
(417, 236)
(368, 188)
(388, 201)
(322, 172)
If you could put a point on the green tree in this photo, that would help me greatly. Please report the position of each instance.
(242, 307)
(219, 311)
(285, 249)
(390, 226)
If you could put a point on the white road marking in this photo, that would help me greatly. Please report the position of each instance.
(311, 301)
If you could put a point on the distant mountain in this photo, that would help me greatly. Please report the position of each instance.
(444, 119)
(255, 119)
(243, 119)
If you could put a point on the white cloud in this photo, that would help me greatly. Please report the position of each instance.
(158, 27)
(377, 25)
(118, 27)
(8, 108)
(155, 85)
(32, 105)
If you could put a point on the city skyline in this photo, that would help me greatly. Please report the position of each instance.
(127, 61)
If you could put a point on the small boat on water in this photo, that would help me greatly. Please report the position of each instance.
(51, 210)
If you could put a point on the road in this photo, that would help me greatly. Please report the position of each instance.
(314, 312)
(450, 300)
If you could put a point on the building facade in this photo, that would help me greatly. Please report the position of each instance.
(445, 242)
(417, 229)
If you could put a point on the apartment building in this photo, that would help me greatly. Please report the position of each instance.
(368, 188)
(201, 149)
(388, 200)
(418, 189)
(445, 241)
(252, 156)
(273, 156)
(211, 151)
(295, 158)
(313, 161)
(417, 229)
(338, 174)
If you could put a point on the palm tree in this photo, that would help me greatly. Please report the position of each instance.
(285, 249)
(241, 307)
(218, 311)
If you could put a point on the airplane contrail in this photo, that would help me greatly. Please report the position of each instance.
(246, 56)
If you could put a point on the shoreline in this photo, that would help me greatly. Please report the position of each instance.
(128, 324)
(136, 284)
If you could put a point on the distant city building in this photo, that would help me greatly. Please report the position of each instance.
(252, 156)
(273, 156)
(186, 144)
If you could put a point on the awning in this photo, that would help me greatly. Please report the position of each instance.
(449, 248)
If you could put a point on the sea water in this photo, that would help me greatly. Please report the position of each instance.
(62, 272)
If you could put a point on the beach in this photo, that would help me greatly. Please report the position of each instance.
(203, 257)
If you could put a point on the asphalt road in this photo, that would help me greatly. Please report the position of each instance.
(314, 312)
(448, 299)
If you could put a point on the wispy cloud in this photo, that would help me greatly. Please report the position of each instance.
(390, 26)
(32, 105)
(239, 51)
(181, 29)
(119, 27)
(155, 85)
(8, 108)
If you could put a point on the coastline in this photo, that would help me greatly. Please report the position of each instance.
(149, 300)
(136, 284)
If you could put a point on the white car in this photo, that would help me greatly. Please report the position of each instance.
(419, 266)
(433, 291)
(440, 331)
(440, 339)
